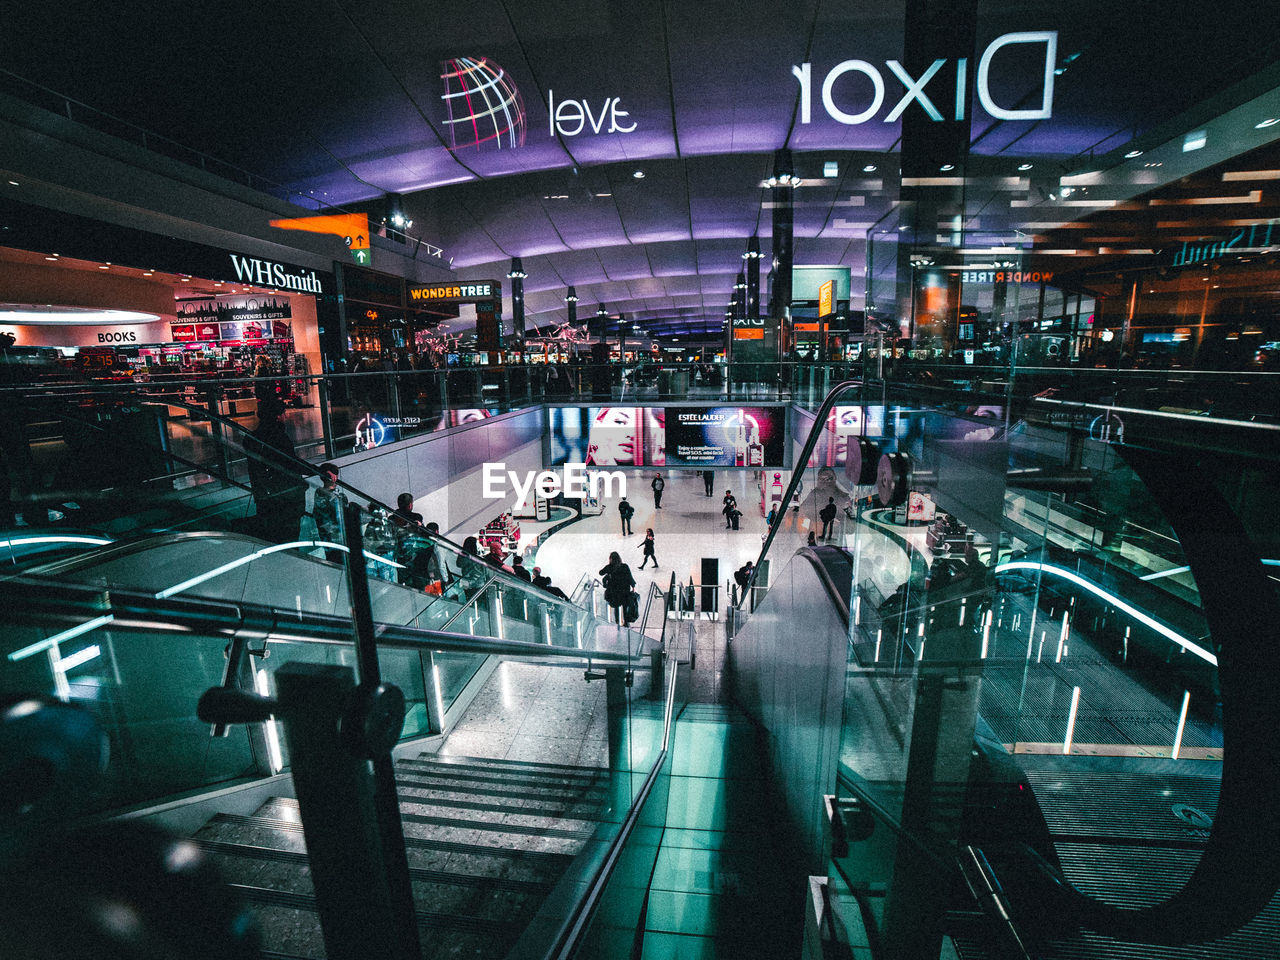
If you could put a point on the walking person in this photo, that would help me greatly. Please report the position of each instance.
(730, 504)
(827, 515)
(647, 544)
(658, 486)
(618, 582)
(709, 482)
(625, 512)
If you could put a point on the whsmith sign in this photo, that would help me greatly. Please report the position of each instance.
(1251, 239)
(474, 292)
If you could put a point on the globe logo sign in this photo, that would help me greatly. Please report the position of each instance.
(482, 104)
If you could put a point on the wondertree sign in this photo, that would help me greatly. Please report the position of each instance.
(475, 291)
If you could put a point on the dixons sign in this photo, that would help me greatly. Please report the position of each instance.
(915, 86)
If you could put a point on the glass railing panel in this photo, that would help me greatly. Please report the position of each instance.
(1050, 593)
(142, 687)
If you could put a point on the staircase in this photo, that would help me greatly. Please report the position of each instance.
(486, 839)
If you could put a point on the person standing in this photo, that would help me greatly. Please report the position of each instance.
(647, 544)
(517, 567)
(658, 486)
(625, 512)
(279, 492)
(827, 515)
(404, 514)
(709, 482)
(328, 506)
(618, 581)
(380, 541)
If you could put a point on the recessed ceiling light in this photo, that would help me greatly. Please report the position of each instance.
(102, 266)
(1133, 153)
(947, 166)
(1024, 166)
(14, 183)
(1260, 125)
(54, 257)
(638, 174)
(869, 168)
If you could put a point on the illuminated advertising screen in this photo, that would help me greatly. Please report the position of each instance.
(608, 436)
(725, 436)
(844, 422)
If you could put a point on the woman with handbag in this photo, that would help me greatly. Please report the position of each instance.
(618, 581)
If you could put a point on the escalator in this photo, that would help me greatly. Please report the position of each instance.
(180, 595)
(1035, 748)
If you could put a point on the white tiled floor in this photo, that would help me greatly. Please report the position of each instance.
(687, 528)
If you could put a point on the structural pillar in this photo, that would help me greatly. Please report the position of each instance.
(516, 275)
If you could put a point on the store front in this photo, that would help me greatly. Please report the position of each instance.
(159, 307)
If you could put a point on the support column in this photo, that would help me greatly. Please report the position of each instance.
(782, 196)
(517, 275)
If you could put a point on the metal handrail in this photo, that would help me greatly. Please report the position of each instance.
(52, 600)
(463, 609)
(797, 473)
(568, 938)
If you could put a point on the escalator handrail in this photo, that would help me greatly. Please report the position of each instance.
(309, 470)
(797, 472)
(50, 600)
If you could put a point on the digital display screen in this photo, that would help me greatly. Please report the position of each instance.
(668, 436)
(726, 436)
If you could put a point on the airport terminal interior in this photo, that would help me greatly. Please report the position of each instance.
(666, 480)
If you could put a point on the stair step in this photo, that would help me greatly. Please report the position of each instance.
(427, 919)
(492, 825)
(451, 771)
(551, 812)
(415, 873)
(463, 760)
(426, 782)
(554, 860)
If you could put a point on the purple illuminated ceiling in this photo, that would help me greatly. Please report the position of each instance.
(344, 103)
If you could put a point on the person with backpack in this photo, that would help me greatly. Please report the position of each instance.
(625, 512)
(828, 516)
(647, 544)
(658, 486)
(328, 506)
(618, 583)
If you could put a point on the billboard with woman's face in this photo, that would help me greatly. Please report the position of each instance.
(608, 436)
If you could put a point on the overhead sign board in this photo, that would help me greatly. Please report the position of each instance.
(474, 292)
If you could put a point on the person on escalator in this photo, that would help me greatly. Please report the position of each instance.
(328, 506)
(380, 541)
(471, 572)
(279, 490)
